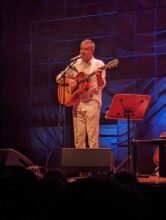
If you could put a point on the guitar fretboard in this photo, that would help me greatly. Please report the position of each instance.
(108, 65)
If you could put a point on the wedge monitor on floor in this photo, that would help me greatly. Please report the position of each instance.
(74, 160)
(10, 157)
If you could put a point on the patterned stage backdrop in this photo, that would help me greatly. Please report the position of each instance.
(134, 32)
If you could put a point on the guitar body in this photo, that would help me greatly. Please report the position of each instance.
(67, 95)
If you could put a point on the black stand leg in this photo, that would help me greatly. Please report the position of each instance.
(129, 143)
(64, 123)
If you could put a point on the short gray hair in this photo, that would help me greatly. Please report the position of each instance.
(91, 42)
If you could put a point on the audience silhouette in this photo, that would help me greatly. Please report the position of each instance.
(53, 196)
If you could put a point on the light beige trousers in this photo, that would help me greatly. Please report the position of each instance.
(86, 123)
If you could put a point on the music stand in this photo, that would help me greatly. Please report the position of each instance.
(130, 107)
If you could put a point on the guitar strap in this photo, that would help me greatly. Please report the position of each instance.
(92, 68)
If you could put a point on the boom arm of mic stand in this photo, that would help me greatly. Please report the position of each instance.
(63, 73)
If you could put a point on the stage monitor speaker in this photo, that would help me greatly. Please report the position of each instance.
(10, 157)
(75, 160)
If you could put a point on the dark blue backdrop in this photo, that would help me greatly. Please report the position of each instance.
(39, 38)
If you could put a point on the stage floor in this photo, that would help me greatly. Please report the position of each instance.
(152, 180)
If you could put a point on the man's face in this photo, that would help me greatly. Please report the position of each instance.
(86, 51)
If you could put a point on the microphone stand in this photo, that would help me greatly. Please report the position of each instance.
(63, 75)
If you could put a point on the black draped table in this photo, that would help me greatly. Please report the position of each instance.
(161, 143)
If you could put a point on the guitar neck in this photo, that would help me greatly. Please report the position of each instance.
(109, 65)
(90, 75)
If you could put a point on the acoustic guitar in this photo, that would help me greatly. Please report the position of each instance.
(68, 95)
(156, 153)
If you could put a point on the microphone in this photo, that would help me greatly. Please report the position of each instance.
(75, 58)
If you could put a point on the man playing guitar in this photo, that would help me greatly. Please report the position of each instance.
(82, 88)
(83, 84)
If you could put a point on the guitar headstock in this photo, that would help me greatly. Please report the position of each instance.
(112, 64)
